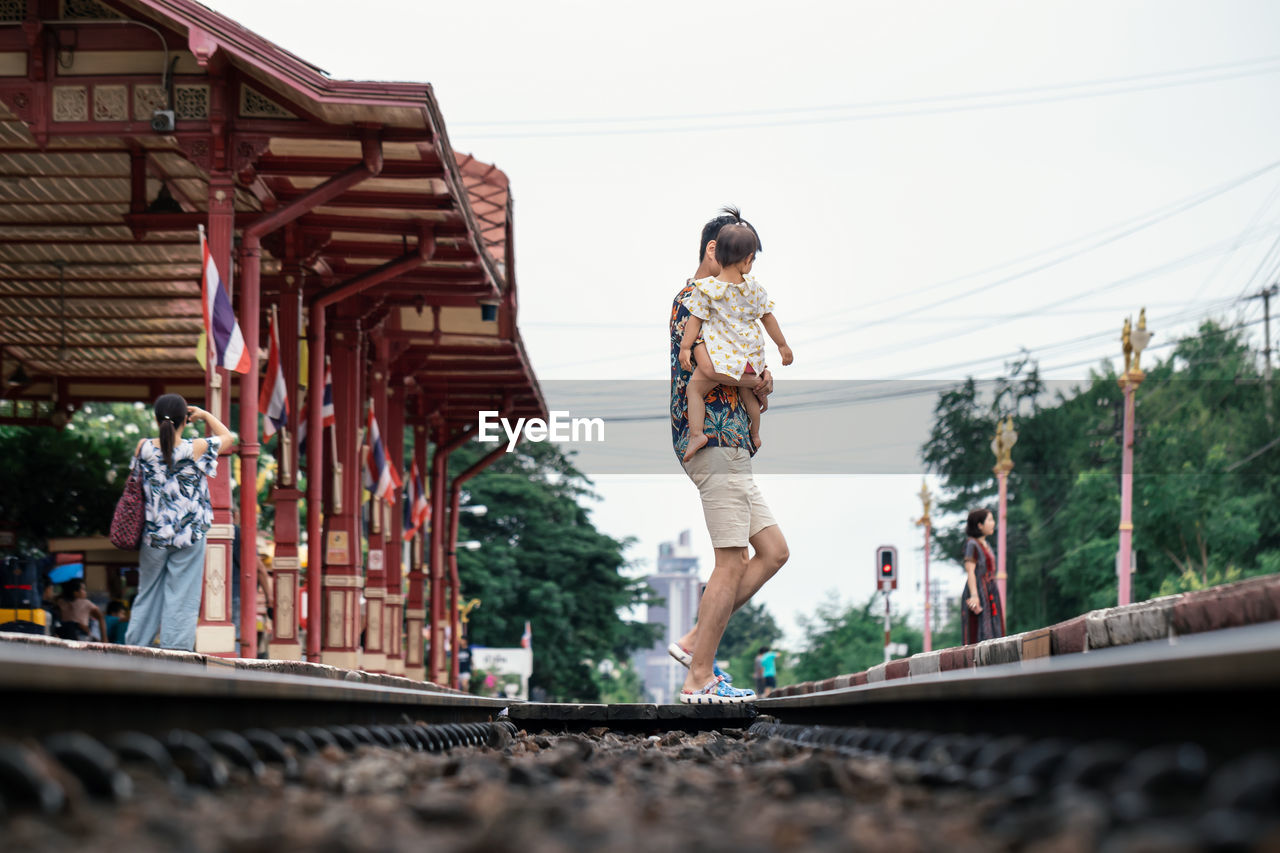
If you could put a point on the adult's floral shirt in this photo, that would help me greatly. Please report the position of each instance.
(177, 497)
(727, 423)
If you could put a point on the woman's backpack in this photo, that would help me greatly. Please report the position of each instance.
(130, 514)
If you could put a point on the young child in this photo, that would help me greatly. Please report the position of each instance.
(725, 309)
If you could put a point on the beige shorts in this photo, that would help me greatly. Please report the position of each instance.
(731, 501)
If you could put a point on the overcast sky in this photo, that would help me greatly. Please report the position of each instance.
(937, 185)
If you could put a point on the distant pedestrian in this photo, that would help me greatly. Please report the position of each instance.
(464, 665)
(758, 671)
(178, 513)
(768, 670)
(117, 622)
(983, 614)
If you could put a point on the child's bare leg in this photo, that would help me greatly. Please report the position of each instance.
(752, 405)
(697, 390)
(700, 384)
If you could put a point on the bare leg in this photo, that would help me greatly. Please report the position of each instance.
(752, 405)
(771, 554)
(697, 389)
(700, 385)
(713, 613)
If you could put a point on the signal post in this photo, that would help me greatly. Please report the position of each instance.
(887, 579)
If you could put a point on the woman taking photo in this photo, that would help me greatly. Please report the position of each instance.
(171, 555)
(983, 615)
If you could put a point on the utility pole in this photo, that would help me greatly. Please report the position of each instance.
(1265, 295)
(927, 523)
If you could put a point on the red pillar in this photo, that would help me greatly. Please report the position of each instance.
(375, 588)
(394, 601)
(435, 568)
(319, 477)
(415, 612)
(250, 316)
(215, 632)
(455, 492)
(284, 565)
(341, 577)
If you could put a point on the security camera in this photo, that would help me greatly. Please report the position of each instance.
(163, 121)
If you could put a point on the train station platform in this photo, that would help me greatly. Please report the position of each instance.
(1249, 602)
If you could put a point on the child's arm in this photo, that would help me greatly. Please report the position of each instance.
(692, 327)
(771, 326)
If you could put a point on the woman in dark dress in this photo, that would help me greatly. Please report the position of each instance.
(983, 615)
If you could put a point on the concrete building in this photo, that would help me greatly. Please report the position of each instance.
(678, 584)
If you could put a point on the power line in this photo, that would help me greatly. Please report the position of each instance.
(1128, 227)
(877, 104)
(854, 398)
(1186, 260)
(1072, 343)
(714, 122)
(1253, 221)
(1252, 456)
(1123, 228)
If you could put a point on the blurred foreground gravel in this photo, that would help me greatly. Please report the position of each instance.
(600, 791)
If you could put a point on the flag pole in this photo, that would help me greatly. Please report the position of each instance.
(336, 492)
(212, 379)
(375, 511)
(283, 463)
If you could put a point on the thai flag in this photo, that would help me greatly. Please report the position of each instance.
(219, 320)
(417, 507)
(526, 639)
(380, 474)
(327, 417)
(273, 402)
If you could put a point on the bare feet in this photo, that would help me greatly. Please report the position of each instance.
(696, 443)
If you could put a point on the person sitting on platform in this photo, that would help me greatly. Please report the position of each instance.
(178, 514)
(76, 611)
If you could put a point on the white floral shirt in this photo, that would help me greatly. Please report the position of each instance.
(177, 498)
(730, 316)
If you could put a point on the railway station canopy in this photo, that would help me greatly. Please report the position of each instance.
(339, 216)
(126, 124)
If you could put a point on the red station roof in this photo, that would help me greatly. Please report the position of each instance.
(99, 263)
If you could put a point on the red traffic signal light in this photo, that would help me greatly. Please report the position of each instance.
(887, 567)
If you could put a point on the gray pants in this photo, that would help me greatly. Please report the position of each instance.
(168, 602)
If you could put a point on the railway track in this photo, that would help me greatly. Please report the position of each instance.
(1153, 746)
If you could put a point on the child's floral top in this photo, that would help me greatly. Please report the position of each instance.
(730, 316)
(177, 498)
(727, 423)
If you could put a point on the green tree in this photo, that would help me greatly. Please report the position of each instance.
(843, 638)
(60, 483)
(1206, 482)
(621, 684)
(543, 562)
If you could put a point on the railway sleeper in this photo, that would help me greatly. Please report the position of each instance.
(37, 774)
(1231, 804)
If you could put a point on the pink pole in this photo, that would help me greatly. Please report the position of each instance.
(928, 603)
(1126, 493)
(1001, 577)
